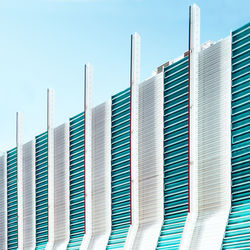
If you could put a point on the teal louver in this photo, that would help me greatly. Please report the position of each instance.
(120, 169)
(176, 80)
(77, 172)
(41, 191)
(237, 235)
(12, 214)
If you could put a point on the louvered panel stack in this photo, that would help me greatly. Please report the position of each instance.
(150, 163)
(214, 149)
(12, 213)
(29, 209)
(101, 175)
(41, 191)
(61, 185)
(3, 205)
(175, 153)
(77, 181)
(120, 169)
(237, 235)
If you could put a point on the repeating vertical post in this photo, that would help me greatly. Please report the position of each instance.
(19, 145)
(134, 99)
(194, 48)
(88, 81)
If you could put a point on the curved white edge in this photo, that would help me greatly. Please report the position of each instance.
(61, 185)
(101, 176)
(29, 205)
(3, 202)
(151, 208)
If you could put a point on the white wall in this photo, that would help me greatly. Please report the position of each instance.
(150, 163)
(29, 206)
(101, 176)
(214, 147)
(61, 186)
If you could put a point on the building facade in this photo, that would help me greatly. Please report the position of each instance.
(164, 164)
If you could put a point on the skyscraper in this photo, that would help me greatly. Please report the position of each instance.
(164, 164)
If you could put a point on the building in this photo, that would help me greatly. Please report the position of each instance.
(164, 164)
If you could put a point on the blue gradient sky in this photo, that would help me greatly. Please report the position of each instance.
(45, 43)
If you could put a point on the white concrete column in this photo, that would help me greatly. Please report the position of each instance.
(88, 81)
(134, 99)
(19, 145)
(50, 131)
(194, 47)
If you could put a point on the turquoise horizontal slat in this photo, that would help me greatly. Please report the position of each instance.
(237, 235)
(76, 159)
(120, 173)
(175, 154)
(41, 191)
(12, 213)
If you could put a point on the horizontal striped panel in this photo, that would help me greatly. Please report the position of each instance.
(12, 213)
(3, 201)
(61, 177)
(120, 169)
(175, 154)
(29, 208)
(76, 178)
(237, 234)
(41, 190)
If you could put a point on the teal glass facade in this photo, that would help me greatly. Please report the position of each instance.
(77, 181)
(176, 81)
(41, 160)
(237, 235)
(120, 169)
(12, 214)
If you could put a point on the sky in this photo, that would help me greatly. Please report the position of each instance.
(45, 44)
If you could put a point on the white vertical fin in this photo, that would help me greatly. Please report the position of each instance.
(101, 176)
(150, 164)
(194, 47)
(29, 196)
(19, 145)
(3, 202)
(61, 186)
(214, 146)
(134, 99)
(88, 81)
(50, 131)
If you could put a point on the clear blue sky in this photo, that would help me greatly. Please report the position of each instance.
(45, 43)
